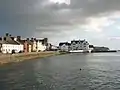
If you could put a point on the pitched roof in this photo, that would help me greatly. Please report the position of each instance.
(9, 42)
(21, 41)
(29, 42)
(62, 43)
(76, 41)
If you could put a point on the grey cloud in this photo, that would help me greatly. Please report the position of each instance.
(27, 16)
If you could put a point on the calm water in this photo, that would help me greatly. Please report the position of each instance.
(98, 72)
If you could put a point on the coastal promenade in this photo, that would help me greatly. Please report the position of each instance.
(12, 58)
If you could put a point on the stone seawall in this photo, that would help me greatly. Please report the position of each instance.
(5, 59)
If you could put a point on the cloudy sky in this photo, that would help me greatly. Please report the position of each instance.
(97, 21)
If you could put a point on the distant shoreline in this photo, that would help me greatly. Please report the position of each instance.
(7, 59)
(104, 51)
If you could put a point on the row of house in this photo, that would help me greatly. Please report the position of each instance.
(75, 45)
(9, 43)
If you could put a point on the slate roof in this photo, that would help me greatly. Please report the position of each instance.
(28, 41)
(91, 46)
(9, 42)
(21, 41)
(62, 43)
(76, 41)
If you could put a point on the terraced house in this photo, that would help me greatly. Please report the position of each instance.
(8, 44)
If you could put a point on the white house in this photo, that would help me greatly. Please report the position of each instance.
(79, 45)
(34, 42)
(54, 48)
(64, 46)
(8, 44)
(40, 46)
(7, 47)
(34, 45)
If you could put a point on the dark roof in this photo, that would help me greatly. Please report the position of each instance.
(91, 46)
(13, 42)
(2, 42)
(9, 42)
(21, 41)
(76, 41)
(29, 42)
(62, 43)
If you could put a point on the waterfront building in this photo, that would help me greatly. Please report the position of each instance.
(39, 44)
(79, 45)
(28, 45)
(54, 48)
(64, 46)
(34, 42)
(8, 44)
(48, 47)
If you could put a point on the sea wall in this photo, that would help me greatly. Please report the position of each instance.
(5, 59)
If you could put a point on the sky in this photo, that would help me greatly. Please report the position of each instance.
(97, 21)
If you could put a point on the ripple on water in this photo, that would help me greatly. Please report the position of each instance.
(63, 73)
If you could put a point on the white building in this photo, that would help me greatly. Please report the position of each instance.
(40, 46)
(8, 44)
(64, 46)
(34, 46)
(82, 45)
(7, 47)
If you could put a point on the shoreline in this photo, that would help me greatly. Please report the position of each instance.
(16, 58)
(20, 57)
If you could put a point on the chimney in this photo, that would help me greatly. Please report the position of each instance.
(4, 38)
(32, 39)
(27, 39)
(0, 38)
(7, 34)
(45, 41)
(18, 38)
(12, 38)
(10, 35)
